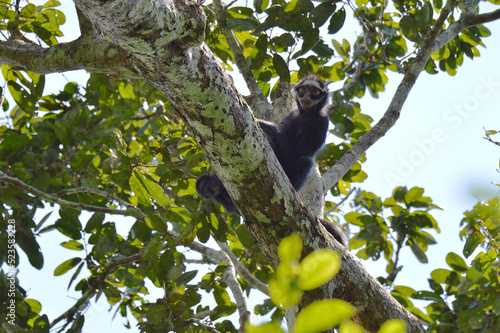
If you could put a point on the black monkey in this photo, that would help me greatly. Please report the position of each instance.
(295, 142)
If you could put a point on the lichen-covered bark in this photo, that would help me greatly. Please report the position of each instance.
(90, 54)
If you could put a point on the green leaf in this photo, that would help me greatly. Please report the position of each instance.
(282, 294)
(456, 262)
(472, 242)
(343, 49)
(69, 226)
(51, 3)
(94, 222)
(240, 24)
(337, 21)
(259, 52)
(22, 98)
(409, 28)
(423, 16)
(393, 326)
(72, 245)
(298, 6)
(42, 221)
(414, 194)
(66, 266)
(320, 14)
(438, 4)
(318, 268)
(145, 189)
(322, 50)
(75, 275)
(186, 277)
(290, 248)
(44, 34)
(281, 68)
(283, 42)
(348, 326)
(260, 5)
(310, 39)
(323, 315)
(442, 53)
(156, 223)
(274, 327)
(418, 252)
(441, 275)
(9, 328)
(41, 325)
(245, 236)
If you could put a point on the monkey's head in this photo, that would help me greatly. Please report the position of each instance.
(311, 94)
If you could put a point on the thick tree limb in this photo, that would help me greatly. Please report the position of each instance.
(89, 53)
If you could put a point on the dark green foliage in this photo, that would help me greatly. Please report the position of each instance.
(464, 298)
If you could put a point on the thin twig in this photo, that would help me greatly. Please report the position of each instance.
(328, 212)
(98, 192)
(135, 212)
(355, 77)
(243, 271)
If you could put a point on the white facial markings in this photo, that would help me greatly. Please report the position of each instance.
(312, 83)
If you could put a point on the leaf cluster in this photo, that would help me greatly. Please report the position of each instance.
(385, 235)
(464, 297)
(40, 22)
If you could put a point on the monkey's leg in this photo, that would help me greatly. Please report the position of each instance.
(297, 171)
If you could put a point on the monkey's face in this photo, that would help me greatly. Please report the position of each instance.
(310, 95)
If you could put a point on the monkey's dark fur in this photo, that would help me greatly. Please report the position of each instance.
(299, 136)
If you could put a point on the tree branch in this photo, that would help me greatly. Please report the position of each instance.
(355, 77)
(243, 271)
(89, 53)
(229, 274)
(230, 277)
(215, 258)
(135, 212)
(260, 105)
(80, 303)
(98, 192)
(328, 212)
(431, 43)
(465, 22)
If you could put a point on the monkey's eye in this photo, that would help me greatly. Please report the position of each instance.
(315, 92)
(302, 90)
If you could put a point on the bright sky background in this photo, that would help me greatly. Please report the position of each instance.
(436, 144)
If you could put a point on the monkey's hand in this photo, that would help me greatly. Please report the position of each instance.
(269, 128)
(209, 186)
